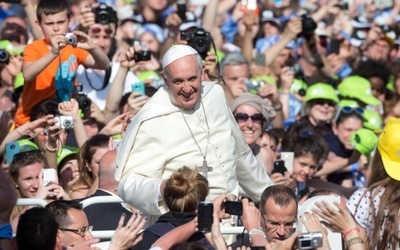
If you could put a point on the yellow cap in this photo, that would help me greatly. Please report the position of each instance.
(389, 148)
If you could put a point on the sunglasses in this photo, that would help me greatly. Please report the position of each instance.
(22, 155)
(348, 110)
(81, 231)
(243, 117)
(96, 30)
(324, 101)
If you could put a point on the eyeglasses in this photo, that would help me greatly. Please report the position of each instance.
(349, 110)
(22, 155)
(243, 117)
(82, 231)
(96, 30)
(286, 225)
(324, 101)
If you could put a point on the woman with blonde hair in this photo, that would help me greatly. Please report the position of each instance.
(376, 207)
(183, 190)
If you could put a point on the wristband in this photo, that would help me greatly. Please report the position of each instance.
(257, 230)
(354, 167)
(354, 241)
(6, 231)
(345, 233)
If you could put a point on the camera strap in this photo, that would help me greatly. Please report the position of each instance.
(105, 81)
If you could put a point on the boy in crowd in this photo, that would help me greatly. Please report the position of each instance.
(50, 64)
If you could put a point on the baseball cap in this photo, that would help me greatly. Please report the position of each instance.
(65, 152)
(348, 103)
(26, 145)
(268, 16)
(372, 120)
(359, 88)
(190, 22)
(321, 91)
(389, 148)
(364, 141)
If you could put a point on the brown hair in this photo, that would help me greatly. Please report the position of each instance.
(184, 189)
(387, 215)
(25, 159)
(51, 7)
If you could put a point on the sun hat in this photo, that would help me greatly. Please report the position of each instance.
(364, 141)
(359, 88)
(321, 91)
(389, 148)
(372, 120)
(65, 152)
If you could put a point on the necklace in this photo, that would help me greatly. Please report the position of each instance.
(204, 168)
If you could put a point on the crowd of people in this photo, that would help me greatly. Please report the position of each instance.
(170, 105)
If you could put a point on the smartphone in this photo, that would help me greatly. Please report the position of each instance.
(279, 167)
(139, 87)
(205, 211)
(182, 11)
(288, 158)
(233, 207)
(49, 175)
(334, 47)
(12, 148)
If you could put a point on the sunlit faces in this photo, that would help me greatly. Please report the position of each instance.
(250, 122)
(94, 164)
(345, 129)
(69, 172)
(279, 221)
(321, 111)
(235, 76)
(54, 24)
(270, 29)
(281, 60)
(268, 151)
(304, 167)
(101, 35)
(183, 78)
(28, 180)
(77, 220)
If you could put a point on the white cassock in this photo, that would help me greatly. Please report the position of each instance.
(158, 142)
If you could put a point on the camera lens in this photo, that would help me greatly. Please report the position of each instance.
(67, 123)
(4, 56)
(12, 147)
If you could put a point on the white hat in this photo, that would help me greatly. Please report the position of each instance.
(177, 52)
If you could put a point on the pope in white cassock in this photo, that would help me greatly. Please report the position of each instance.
(186, 123)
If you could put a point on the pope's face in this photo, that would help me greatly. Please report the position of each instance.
(183, 78)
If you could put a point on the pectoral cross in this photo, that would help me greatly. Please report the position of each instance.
(205, 168)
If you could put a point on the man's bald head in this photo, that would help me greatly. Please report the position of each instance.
(107, 168)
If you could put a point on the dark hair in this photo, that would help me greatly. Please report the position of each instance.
(184, 189)
(373, 68)
(51, 7)
(44, 108)
(282, 196)
(344, 116)
(59, 209)
(37, 230)
(320, 192)
(13, 31)
(27, 158)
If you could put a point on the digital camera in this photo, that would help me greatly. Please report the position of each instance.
(105, 14)
(309, 26)
(253, 86)
(71, 39)
(64, 121)
(200, 40)
(4, 56)
(309, 240)
(84, 103)
(142, 55)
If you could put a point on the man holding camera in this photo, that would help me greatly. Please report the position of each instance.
(186, 123)
(50, 64)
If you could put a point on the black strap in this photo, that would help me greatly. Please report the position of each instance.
(105, 81)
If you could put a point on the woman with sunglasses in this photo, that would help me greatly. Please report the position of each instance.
(318, 111)
(341, 150)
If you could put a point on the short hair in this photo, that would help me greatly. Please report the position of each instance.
(37, 230)
(321, 192)
(44, 108)
(233, 59)
(51, 7)
(184, 189)
(374, 68)
(26, 158)
(282, 196)
(59, 209)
